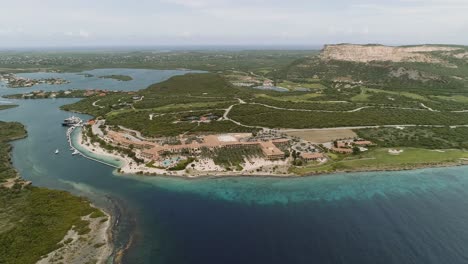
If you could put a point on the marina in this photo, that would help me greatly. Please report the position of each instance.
(77, 123)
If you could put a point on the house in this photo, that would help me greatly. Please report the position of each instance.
(362, 143)
(268, 83)
(342, 150)
(280, 141)
(342, 144)
(271, 151)
(88, 93)
(312, 156)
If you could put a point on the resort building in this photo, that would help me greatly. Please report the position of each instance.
(312, 156)
(363, 143)
(154, 151)
(342, 150)
(270, 151)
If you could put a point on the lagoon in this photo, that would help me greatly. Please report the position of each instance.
(377, 217)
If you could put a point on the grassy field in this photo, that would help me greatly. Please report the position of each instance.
(362, 97)
(454, 98)
(291, 98)
(406, 94)
(293, 85)
(322, 136)
(380, 159)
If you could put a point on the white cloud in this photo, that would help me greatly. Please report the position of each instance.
(233, 21)
(84, 33)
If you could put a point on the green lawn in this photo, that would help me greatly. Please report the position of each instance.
(293, 85)
(406, 94)
(454, 98)
(362, 97)
(291, 98)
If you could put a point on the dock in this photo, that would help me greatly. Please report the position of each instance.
(72, 148)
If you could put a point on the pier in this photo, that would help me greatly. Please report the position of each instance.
(72, 148)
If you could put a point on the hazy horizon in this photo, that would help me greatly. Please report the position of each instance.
(105, 23)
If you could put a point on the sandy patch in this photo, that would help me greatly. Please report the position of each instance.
(94, 247)
(322, 136)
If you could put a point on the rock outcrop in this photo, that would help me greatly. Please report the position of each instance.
(368, 53)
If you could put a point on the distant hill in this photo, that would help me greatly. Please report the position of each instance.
(427, 69)
(368, 53)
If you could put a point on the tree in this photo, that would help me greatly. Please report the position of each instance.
(335, 143)
(294, 155)
(356, 150)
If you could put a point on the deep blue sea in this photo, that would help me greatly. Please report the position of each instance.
(387, 217)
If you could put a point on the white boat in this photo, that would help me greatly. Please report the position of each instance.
(76, 152)
(71, 121)
(56, 151)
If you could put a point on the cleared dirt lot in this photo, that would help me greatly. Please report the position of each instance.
(322, 136)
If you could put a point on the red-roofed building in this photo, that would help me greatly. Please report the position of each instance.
(342, 150)
(362, 143)
(312, 156)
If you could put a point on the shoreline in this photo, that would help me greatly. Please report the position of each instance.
(126, 169)
(97, 241)
(96, 246)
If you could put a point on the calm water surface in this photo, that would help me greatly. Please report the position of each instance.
(393, 217)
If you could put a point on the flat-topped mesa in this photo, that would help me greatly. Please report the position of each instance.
(367, 53)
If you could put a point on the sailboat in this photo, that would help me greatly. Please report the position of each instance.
(56, 151)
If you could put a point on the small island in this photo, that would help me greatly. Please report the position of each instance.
(118, 77)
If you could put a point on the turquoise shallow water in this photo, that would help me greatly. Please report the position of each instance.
(386, 217)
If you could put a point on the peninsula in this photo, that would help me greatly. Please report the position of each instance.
(74, 230)
(14, 81)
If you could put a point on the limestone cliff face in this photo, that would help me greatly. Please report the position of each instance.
(367, 53)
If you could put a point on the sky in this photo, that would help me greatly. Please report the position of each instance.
(61, 23)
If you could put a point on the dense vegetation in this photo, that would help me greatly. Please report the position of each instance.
(232, 157)
(258, 61)
(273, 118)
(8, 132)
(419, 137)
(33, 220)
